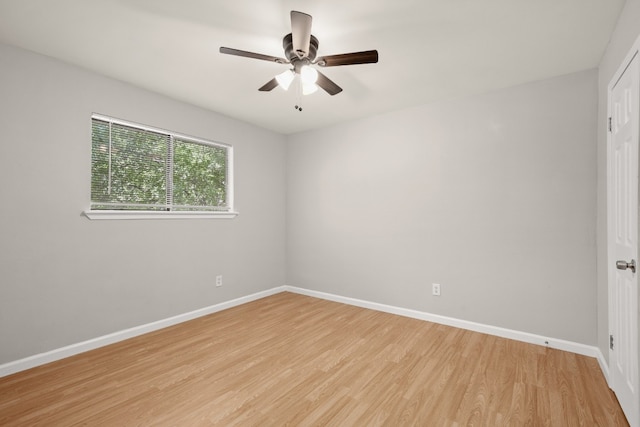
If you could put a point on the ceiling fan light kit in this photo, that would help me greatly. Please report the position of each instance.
(300, 48)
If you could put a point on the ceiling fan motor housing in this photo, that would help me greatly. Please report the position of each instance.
(292, 55)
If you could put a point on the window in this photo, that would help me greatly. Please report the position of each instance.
(138, 171)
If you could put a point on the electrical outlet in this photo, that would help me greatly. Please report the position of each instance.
(219, 280)
(435, 289)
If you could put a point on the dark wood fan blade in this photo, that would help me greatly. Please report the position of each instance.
(270, 85)
(328, 85)
(365, 57)
(301, 33)
(236, 52)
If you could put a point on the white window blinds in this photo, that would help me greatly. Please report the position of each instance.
(135, 167)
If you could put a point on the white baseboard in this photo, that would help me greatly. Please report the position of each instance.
(559, 344)
(603, 366)
(70, 350)
(61, 353)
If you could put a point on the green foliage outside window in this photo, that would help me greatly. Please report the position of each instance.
(199, 175)
(138, 169)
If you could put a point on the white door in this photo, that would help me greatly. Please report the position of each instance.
(624, 100)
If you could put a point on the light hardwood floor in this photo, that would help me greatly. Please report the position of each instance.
(294, 360)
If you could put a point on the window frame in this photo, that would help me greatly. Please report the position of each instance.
(228, 213)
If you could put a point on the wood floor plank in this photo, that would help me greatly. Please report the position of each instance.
(292, 360)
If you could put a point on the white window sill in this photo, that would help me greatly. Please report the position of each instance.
(104, 214)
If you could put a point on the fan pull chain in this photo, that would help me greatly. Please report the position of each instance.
(299, 95)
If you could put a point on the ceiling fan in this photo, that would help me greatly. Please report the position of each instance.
(300, 49)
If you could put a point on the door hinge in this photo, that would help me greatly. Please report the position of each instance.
(610, 124)
(611, 342)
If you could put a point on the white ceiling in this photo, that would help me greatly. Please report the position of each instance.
(429, 49)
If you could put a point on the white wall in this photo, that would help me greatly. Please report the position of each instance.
(626, 32)
(493, 197)
(65, 279)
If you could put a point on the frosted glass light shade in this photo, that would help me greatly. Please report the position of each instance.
(308, 74)
(285, 79)
(309, 88)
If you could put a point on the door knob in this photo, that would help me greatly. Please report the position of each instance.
(623, 265)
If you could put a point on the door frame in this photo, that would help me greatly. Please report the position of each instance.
(635, 50)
